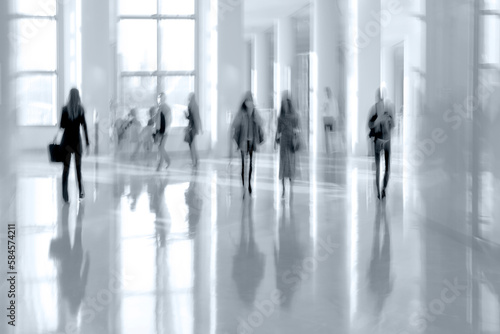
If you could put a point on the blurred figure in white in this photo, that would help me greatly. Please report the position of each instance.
(330, 119)
(381, 122)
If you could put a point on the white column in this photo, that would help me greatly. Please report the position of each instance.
(7, 123)
(230, 70)
(247, 65)
(7, 140)
(368, 47)
(325, 63)
(285, 55)
(97, 70)
(262, 74)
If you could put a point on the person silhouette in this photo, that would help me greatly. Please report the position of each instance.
(248, 134)
(381, 123)
(72, 118)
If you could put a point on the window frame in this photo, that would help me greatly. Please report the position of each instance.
(15, 18)
(159, 74)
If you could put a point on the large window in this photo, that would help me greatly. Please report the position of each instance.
(35, 39)
(156, 54)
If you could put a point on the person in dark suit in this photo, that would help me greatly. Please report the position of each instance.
(73, 116)
(381, 122)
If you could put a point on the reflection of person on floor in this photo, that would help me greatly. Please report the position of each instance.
(73, 267)
(288, 128)
(135, 191)
(248, 262)
(194, 202)
(158, 206)
(288, 258)
(379, 272)
(381, 123)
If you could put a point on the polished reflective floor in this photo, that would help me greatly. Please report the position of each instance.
(181, 251)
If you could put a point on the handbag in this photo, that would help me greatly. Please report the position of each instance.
(188, 136)
(56, 151)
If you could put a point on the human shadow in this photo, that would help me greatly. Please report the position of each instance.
(288, 255)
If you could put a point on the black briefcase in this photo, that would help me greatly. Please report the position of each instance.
(56, 153)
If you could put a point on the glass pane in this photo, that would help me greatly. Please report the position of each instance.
(177, 89)
(135, 7)
(140, 93)
(36, 45)
(177, 53)
(491, 4)
(137, 45)
(36, 100)
(491, 46)
(35, 7)
(176, 7)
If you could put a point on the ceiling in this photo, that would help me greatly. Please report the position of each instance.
(259, 15)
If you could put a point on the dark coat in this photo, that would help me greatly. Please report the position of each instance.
(240, 127)
(71, 137)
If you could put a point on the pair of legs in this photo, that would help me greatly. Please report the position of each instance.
(243, 154)
(163, 153)
(67, 162)
(194, 152)
(381, 145)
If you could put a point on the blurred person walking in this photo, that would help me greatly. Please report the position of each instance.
(381, 123)
(163, 128)
(287, 137)
(72, 117)
(248, 134)
(194, 127)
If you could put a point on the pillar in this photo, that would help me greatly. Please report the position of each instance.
(97, 70)
(248, 65)
(368, 48)
(8, 124)
(230, 85)
(263, 76)
(7, 134)
(443, 150)
(285, 55)
(325, 64)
